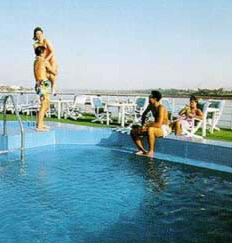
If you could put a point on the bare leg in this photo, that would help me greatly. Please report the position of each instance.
(53, 77)
(46, 110)
(153, 132)
(47, 105)
(139, 144)
(42, 112)
(138, 141)
(177, 128)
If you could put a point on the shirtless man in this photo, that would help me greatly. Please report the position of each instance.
(43, 85)
(158, 128)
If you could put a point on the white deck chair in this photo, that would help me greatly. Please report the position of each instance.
(30, 110)
(141, 105)
(135, 116)
(169, 106)
(9, 105)
(213, 119)
(81, 101)
(212, 111)
(190, 130)
(73, 111)
(99, 110)
(32, 106)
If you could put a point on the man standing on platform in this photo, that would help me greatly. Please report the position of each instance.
(43, 85)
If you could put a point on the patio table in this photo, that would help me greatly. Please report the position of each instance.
(121, 111)
(60, 106)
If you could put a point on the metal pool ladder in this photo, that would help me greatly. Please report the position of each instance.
(19, 120)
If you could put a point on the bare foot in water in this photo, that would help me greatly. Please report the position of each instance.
(150, 154)
(140, 152)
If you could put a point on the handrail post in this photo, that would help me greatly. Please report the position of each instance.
(20, 124)
(22, 147)
(4, 116)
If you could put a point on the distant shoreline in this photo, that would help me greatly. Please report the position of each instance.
(116, 93)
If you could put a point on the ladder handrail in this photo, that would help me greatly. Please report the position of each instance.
(20, 124)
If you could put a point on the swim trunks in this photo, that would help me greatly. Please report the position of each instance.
(166, 130)
(141, 133)
(44, 89)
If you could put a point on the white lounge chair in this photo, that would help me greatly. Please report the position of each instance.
(73, 111)
(99, 110)
(134, 116)
(169, 106)
(190, 130)
(212, 121)
(32, 106)
(213, 114)
(81, 101)
(9, 105)
(30, 109)
(212, 111)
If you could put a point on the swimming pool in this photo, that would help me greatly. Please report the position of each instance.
(90, 193)
(216, 155)
(84, 185)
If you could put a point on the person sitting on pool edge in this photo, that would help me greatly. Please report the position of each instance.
(158, 128)
(43, 85)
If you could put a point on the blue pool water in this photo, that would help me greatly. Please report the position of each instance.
(88, 193)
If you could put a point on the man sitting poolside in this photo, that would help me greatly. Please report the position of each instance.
(158, 128)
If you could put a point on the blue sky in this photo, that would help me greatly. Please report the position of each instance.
(123, 44)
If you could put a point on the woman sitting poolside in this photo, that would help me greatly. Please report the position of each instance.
(186, 116)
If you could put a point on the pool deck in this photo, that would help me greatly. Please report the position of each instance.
(216, 155)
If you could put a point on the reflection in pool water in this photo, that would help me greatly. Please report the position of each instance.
(87, 193)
